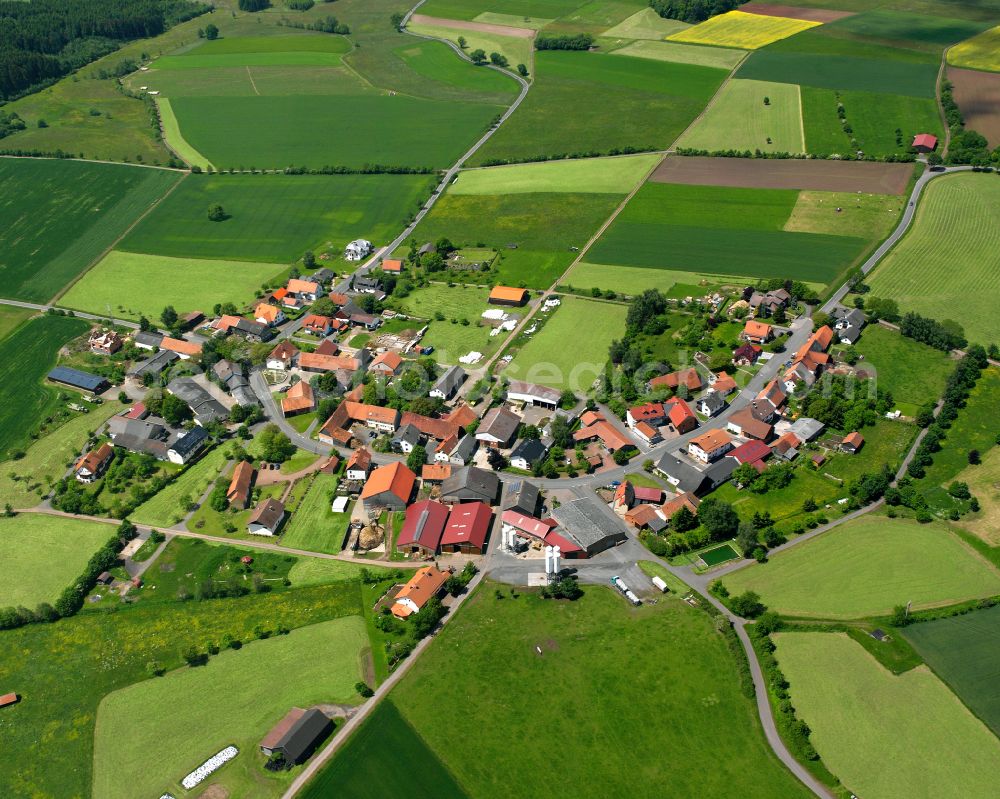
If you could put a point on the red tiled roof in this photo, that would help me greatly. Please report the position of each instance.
(298, 398)
(394, 478)
(644, 494)
(438, 429)
(435, 472)
(751, 451)
(424, 525)
(95, 459)
(423, 585)
(643, 413)
(527, 524)
(679, 411)
(712, 440)
(687, 377)
(468, 523)
(608, 434)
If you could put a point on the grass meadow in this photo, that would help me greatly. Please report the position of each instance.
(120, 284)
(866, 567)
(983, 480)
(314, 526)
(57, 217)
(260, 51)
(192, 713)
(658, 98)
(535, 233)
(912, 372)
(718, 57)
(903, 27)
(962, 651)
(698, 714)
(740, 119)
(545, 358)
(956, 233)
(632, 280)
(736, 231)
(169, 507)
(471, 9)
(173, 137)
(62, 671)
(517, 50)
(26, 356)
(617, 175)
(739, 29)
(44, 554)
(275, 218)
(979, 52)
(378, 760)
(645, 24)
(436, 62)
(449, 337)
(11, 317)
(867, 216)
(854, 707)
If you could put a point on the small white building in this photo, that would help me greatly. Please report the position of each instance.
(357, 249)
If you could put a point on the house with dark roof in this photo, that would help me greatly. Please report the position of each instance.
(83, 381)
(406, 438)
(711, 404)
(471, 484)
(746, 354)
(297, 735)
(527, 453)
(588, 525)
(266, 518)
(498, 427)
(188, 445)
(682, 475)
(521, 496)
(532, 394)
(154, 365)
(448, 383)
(203, 405)
(147, 339)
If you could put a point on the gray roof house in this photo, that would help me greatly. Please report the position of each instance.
(498, 427)
(471, 484)
(463, 451)
(406, 438)
(586, 523)
(153, 365)
(205, 407)
(187, 445)
(527, 453)
(139, 435)
(682, 475)
(521, 496)
(448, 383)
(147, 339)
(720, 471)
(806, 429)
(711, 404)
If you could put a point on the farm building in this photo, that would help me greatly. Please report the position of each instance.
(448, 383)
(297, 735)
(852, 442)
(471, 484)
(498, 427)
(435, 472)
(393, 265)
(147, 339)
(586, 524)
(238, 493)
(187, 446)
(8, 699)
(506, 295)
(152, 366)
(688, 378)
(93, 464)
(185, 349)
(266, 518)
(532, 394)
(203, 405)
(521, 496)
(423, 586)
(467, 529)
(925, 143)
(423, 528)
(298, 399)
(83, 381)
(389, 486)
(685, 500)
(744, 423)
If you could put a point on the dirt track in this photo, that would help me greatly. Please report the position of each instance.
(794, 12)
(792, 173)
(467, 25)
(978, 96)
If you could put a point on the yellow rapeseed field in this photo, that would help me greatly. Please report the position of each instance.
(739, 29)
(979, 52)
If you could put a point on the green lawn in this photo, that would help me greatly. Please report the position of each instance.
(437, 62)
(866, 567)
(57, 217)
(784, 504)
(718, 57)
(170, 506)
(42, 555)
(855, 708)
(269, 131)
(544, 227)
(275, 218)
(452, 340)
(734, 231)
(587, 175)
(120, 284)
(874, 118)
(547, 359)
(26, 356)
(192, 713)
(956, 233)
(517, 50)
(313, 526)
(378, 759)
(962, 651)
(682, 693)
(634, 280)
(886, 442)
(658, 98)
(248, 51)
(912, 372)
(63, 670)
(740, 119)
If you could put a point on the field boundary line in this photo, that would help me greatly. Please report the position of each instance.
(117, 241)
(937, 100)
(802, 118)
(711, 103)
(250, 75)
(93, 161)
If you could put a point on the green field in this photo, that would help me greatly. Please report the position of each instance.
(697, 714)
(912, 372)
(866, 567)
(895, 27)
(172, 136)
(658, 98)
(739, 119)
(736, 231)
(42, 555)
(451, 340)
(874, 119)
(545, 227)
(515, 49)
(587, 175)
(547, 359)
(855, 708)
(867, 216)
(192, 713)
(314, 50)
(120, 284)
(26, 356)
(169, 507)
(11, 317)
(979, 52)
(843, 72)
(275, 218)
(471, 9)
(718, 57)
(956, 233)
(378, 129)
(645, 24)
(983, 480)
(378, 760)
(633, 280)
(962, 651)
(313, 526)
(436, 61)
(62, 671)
(57, 217)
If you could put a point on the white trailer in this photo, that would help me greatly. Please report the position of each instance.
(658, 582)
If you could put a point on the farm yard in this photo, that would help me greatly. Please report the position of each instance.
(275, 218)
(194, 712)
(45, 554)
(866, 567)
(659, 99)
(835, 684)
(545, 358)
(956, 233)
(961, 650)
(57, 217)
(578, 640)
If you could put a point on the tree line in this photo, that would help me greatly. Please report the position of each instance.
(693, 10)
(578, 41)
(43, 40)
